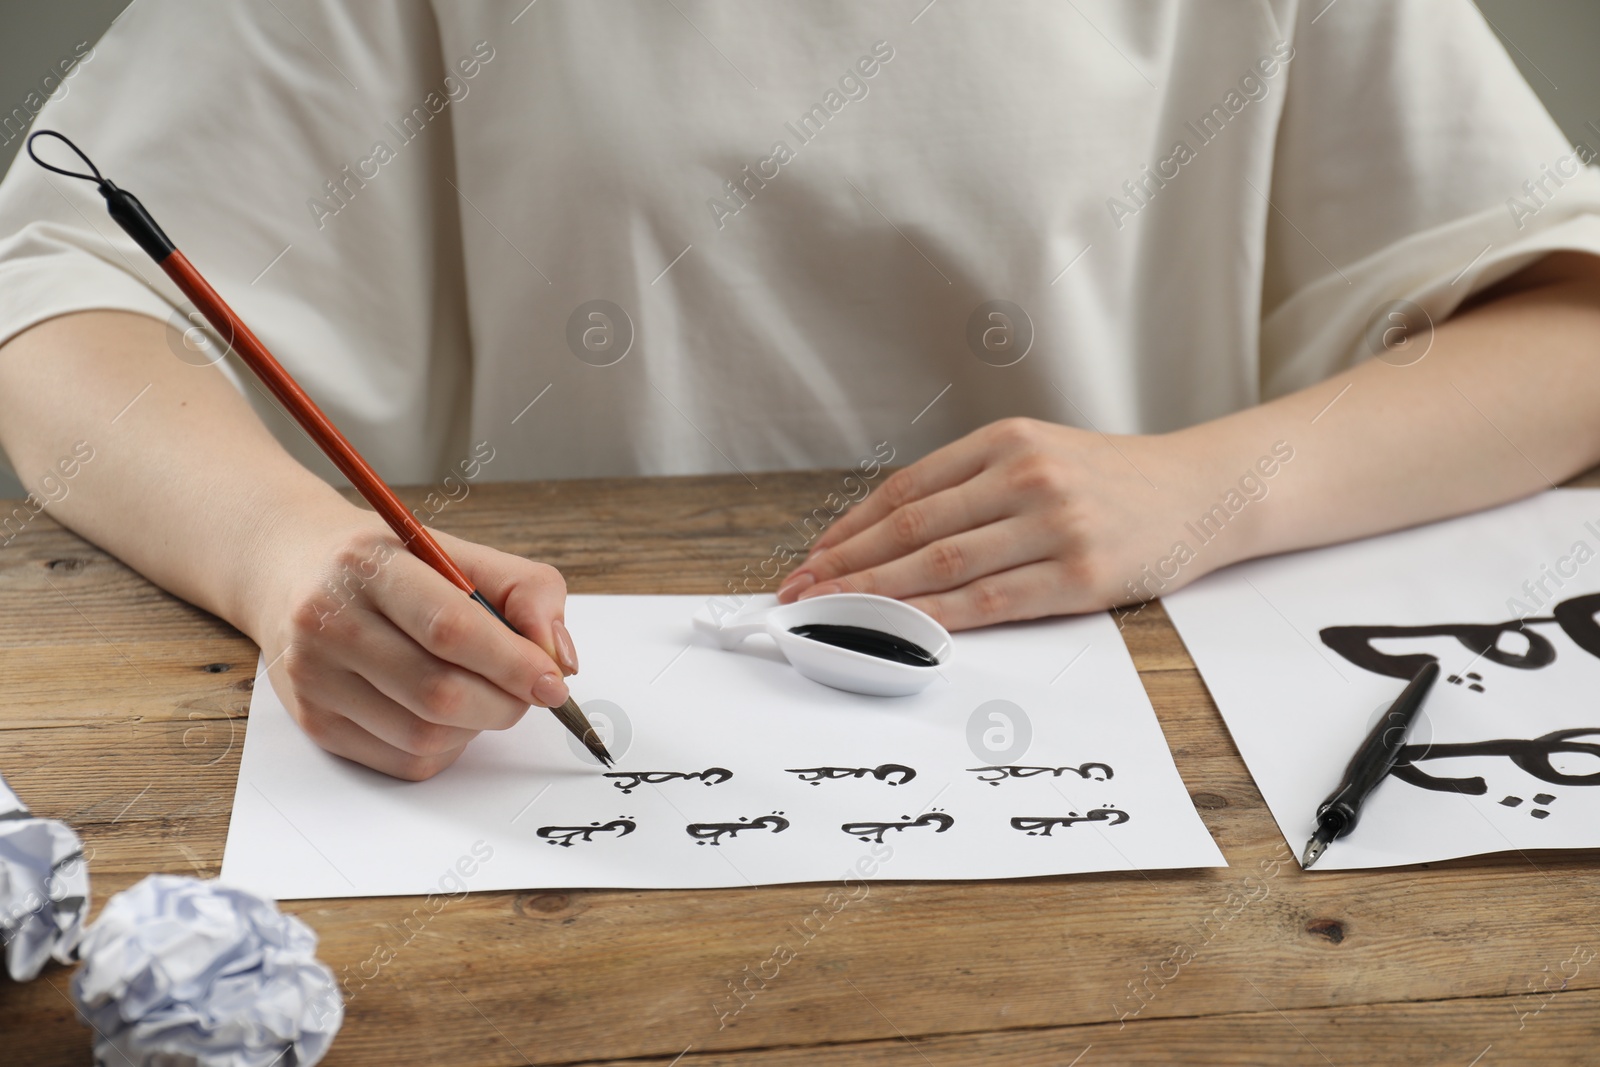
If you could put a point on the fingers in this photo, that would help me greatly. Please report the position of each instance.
(1027, 592)
(533, 596)
(422, 685)
(939, 470)
(343, 737)
(948, 563)
(344, 714)
(353, 697)
(917, 525)
(387, 663)
(446, 622)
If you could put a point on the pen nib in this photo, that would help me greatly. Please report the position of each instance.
(1314, 849)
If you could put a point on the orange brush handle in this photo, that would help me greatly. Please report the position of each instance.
(311, 419)
(128, 213)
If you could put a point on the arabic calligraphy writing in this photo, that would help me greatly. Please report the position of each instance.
(899, 772)
(874, 831)
(1097, 772)
(1576, 616)
(1041, 825)
(1533, 756)
(628, 781)
(712, 833)
(566, 835)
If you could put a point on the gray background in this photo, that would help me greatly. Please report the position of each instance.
(1556, 43)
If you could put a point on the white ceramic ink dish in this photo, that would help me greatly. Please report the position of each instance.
(831, 665)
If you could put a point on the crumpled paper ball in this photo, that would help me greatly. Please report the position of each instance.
(179, 972)
(44, 888)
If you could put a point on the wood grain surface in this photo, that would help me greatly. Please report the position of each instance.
(122, 711)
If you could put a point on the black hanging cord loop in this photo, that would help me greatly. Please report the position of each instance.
(95, 176)
(124, 207)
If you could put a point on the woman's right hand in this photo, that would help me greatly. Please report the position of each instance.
(377, 657)
(383, 661)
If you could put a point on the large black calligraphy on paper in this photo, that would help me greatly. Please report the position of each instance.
(1532, 756)
(892, 773)
(874, 831)
(566, 835)
(1041, 825)
(996, 775)
(628, 781)
(1577, 618)
(712, 833)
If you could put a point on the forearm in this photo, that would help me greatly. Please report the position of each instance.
(186, 484)
(392, 666)
(1505, 402)
(1025, 518)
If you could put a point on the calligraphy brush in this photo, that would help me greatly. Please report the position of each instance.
(131, 215)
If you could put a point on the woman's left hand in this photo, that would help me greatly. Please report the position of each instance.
(1018, 520)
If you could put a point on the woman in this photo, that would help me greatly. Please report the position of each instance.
(1148, 288)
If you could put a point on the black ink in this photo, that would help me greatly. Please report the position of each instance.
(874, 831)
(710, 776)
(712, 833)
(566, 835)
(1041, 825)
(1000, 774)
(1576, 616)
(868, 642)
(1539, 798)
(882, 772)
(1354, 643)
(1532, 756)
(1471, 681)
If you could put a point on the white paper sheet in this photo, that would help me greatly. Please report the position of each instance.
(307, 824)
(1297, 707)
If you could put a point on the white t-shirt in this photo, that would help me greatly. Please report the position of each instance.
(616, 237)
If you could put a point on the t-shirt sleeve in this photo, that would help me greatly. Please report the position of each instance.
(1414, 167)
(297, 153)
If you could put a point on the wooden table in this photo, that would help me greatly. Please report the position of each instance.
(123, 713)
